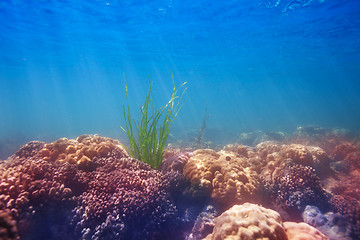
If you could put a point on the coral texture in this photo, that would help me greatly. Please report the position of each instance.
(8, 229)
(297, 187)
(279, 157)
(302, 231)
(204, 223)
(248, 222)
(123, 195)
(350, 208)
(175, 160)
(80, 151)
(333, 225)
(312, 156)
(102, 193)
(222, 175)
(297, 152)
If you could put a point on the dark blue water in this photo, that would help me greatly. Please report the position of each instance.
(257, 65)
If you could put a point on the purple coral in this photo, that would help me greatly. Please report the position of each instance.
(127, 198)
(296, 187)
(350, 208)
(175, 161)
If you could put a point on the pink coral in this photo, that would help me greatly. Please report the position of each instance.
(302, 231)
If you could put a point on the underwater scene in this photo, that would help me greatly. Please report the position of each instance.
(180, 120)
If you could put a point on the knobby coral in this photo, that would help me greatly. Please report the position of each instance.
(222, 176)
(248, 222)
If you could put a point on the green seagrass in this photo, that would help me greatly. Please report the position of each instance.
(148, 137)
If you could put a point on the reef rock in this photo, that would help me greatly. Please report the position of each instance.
(204, 223)
(333, 225)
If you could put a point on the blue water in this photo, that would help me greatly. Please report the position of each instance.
(256, 65)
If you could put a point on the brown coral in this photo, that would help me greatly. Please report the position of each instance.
(248, 222)
(222, 175)
(289, 155)
(267, 147)
(297, 152)
(302, 231)
(80, 151)
(8, 229)
(343, 149)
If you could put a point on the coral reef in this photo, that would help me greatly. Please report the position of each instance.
(275, 158)
(222, 176)
(80, 151)
(296, 187)
(302, 231)
(105, 194)
(266, 148)
(346, 184)
(248, 222)
(353, 159)
(123, 195)
(109, 196)
(311, 156)
(298, 153)
(31, 186)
